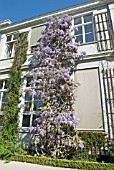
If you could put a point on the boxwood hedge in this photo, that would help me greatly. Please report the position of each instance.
(63, 163)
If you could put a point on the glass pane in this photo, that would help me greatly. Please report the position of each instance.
(9, 49)
(34, 117)
(28, 81)
(6, 84)
(37, 104)
(1, 84)
(4, 97)
(79, 38)
(88, 28)
(26, 121)
(1, 120)
(79, 31)
(28, 97)
(77, 21)
(89, 37)
(28, 106)
(87, 18)
(9, 37)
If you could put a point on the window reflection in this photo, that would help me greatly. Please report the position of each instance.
(26, 121)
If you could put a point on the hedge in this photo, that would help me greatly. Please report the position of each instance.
(63, 162)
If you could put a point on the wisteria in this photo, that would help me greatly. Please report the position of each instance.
(53, 64)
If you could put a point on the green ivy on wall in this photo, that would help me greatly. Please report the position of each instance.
(9, 133)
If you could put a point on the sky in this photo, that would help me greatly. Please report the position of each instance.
(18, 10)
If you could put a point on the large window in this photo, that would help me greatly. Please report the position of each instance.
(85, 31)
(31, 105)
(10, 44)
(3, 99)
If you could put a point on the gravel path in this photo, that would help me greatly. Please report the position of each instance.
(26, 166)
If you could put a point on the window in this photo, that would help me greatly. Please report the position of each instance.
(85, 29)
(31, 105)
(103, 32)
(10, 44)
(3, 98)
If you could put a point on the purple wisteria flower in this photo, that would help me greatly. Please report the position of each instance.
(52, 66)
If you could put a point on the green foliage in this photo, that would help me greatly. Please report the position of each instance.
(111, 152)
(96, 139)
(9, 148)
(91, 140)
(9, 134)
(63, 162)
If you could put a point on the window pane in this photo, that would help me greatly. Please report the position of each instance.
(26, 121)
(1, 84)
(9, 49)
(77, 21)
(79, 31)
(28, 81)
(28, 106)
(9, 37)
(79, 38)
(87, 18)
(28, 97)
(34, 117)
(4, 97)
(88, 28)
(89, 37)
(6, 84)
(37, 104)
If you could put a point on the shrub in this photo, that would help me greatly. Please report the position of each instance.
(63, 163)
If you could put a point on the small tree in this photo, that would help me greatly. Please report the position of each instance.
(53, 64)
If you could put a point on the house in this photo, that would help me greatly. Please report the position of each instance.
(95, 73)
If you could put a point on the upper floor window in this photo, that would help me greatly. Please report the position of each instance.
(10, 44)
(85, 31)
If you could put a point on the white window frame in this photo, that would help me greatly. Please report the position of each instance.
(12, 41)
(83, 24)
(31, 113)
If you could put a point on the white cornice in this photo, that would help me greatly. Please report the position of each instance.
(43, 18)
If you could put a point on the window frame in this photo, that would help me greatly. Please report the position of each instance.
(9, 42)
(30, 112)
(83, 24)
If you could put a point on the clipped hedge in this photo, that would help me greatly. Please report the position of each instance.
(63, 163)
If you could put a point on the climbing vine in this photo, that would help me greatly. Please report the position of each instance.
(11, 109)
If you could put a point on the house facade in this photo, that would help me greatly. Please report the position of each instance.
(95, 73)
